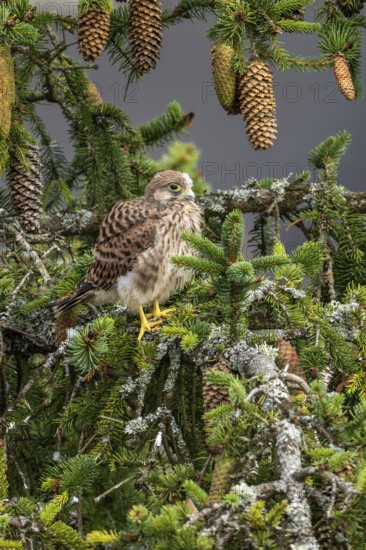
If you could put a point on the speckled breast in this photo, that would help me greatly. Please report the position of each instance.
(155, 276)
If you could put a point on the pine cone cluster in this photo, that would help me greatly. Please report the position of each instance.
(93, 32)
(225, 78)
(343, 77)
(7, 91)
(26, 188)
(258, 105)
(213, 396)
(145, 32)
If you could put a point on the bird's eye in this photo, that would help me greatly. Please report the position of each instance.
(175, 187)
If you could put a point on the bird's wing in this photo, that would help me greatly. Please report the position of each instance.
(128, 230)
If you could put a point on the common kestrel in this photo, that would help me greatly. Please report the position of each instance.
(132, 254)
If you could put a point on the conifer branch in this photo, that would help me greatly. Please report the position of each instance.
(19, 238)
(288, 445)
(85, 222)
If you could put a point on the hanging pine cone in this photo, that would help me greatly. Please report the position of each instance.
(93, 32)
(343, 77)
(213, 396)
(26, 187)
(145, 32)
(258, 105)
(7, 91)
(225, 78)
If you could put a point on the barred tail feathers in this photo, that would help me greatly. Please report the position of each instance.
(73, 299)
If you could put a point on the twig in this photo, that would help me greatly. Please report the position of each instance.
(20, 472)
(90, 440)
(173, 461)
(254, 392)
(15, 292)
(204, 469)
(289, 377)
(114, 488)
(25, 389)
(332, 498)
(309, 421)
(19, 237)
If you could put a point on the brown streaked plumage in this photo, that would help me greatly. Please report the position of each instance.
(133, 250)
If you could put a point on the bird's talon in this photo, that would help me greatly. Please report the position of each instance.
(151, 325)
(147, 326)
(157, 313)
(150, 328)
(166, 312)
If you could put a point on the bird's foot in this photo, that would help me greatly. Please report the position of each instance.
(157, 313)
(148, 327)
(145, 325)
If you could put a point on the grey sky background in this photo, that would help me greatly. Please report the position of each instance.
(309, 108)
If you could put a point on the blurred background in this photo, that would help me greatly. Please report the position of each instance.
(309, 108)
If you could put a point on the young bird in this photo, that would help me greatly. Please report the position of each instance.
(132, 254)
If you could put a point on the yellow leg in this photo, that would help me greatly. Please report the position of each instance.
(145, 325)
(158, 313)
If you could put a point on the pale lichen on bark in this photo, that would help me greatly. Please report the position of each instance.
(298, 527)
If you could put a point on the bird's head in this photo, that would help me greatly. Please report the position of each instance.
(168, 186)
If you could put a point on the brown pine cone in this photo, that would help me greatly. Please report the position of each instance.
(145, 32)
(93, 32)
(258, 105)
(343, 77)
(213, 396)
(288, 358)
(26, 189)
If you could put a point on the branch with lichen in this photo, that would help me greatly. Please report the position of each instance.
(252, 200)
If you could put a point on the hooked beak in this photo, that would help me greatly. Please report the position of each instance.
(188, 194)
